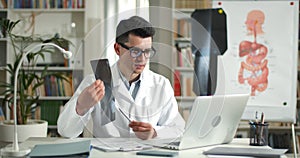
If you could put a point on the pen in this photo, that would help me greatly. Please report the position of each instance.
(261, 137)
(252, 123)
(256, 129)
(124, 115)
(262, 119)
(256, 117)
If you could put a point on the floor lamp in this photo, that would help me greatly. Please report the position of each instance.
(14, 150)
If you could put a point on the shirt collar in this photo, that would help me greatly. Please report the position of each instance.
(126, 82)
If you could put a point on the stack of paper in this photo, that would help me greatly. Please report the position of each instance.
(118, 145)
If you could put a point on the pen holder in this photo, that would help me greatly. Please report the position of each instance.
(259, 134)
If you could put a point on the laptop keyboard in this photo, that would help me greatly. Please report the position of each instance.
(174, 143)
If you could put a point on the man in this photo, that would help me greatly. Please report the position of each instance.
(144, 103)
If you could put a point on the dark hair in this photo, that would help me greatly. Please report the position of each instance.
(134, 25)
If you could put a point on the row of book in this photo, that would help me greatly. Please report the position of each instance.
(45, 110)
(192, 3)
(3, 4)
(183, 83)
(281, 140)
(55, 86)
(183, 79)
(48, 111)
(185, 58)
(182, 28)
(46, 4)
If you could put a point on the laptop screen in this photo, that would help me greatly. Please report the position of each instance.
(213, 120)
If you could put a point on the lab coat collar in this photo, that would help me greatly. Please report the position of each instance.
(122, 90)
(145, 77)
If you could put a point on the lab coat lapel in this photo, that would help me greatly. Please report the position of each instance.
(143, 96)
(138, 108)
(143, 100)
(120, 92)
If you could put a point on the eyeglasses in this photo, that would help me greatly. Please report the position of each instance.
(136, 52)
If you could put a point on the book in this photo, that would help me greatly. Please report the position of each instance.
(179, 59)
(49, 111)
(73, 149)
(298, 141)
(37, 113)
(186, 82)
(177, 86)
(47, 86)
(2, 117)
(68, 85)
(3, 4)
(186, 57)
(183, 28)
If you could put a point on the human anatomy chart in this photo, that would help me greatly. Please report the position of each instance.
(261, 58)
(254, 70)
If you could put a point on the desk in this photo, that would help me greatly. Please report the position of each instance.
(190, 153)
(194, 153)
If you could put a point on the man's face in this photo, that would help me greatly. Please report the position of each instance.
(134, 65)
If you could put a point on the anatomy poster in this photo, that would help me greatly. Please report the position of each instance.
(262, 50)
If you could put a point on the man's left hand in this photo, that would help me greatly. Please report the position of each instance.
(143, 130)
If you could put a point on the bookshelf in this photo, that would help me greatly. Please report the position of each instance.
(46, 18)
(183, 61)
(3, 41)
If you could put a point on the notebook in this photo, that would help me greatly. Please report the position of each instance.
(70, 149)
(213, 120)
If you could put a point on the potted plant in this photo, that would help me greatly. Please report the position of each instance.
(28, 79)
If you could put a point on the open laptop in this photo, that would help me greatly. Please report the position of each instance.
(213, 120)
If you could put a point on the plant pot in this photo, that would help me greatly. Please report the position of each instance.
(34, 128)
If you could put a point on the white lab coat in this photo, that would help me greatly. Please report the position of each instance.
(155, 103)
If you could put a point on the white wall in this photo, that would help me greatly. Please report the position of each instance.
(93, 43)
(161, 16)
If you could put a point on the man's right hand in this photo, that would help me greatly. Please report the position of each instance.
(90, 96)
